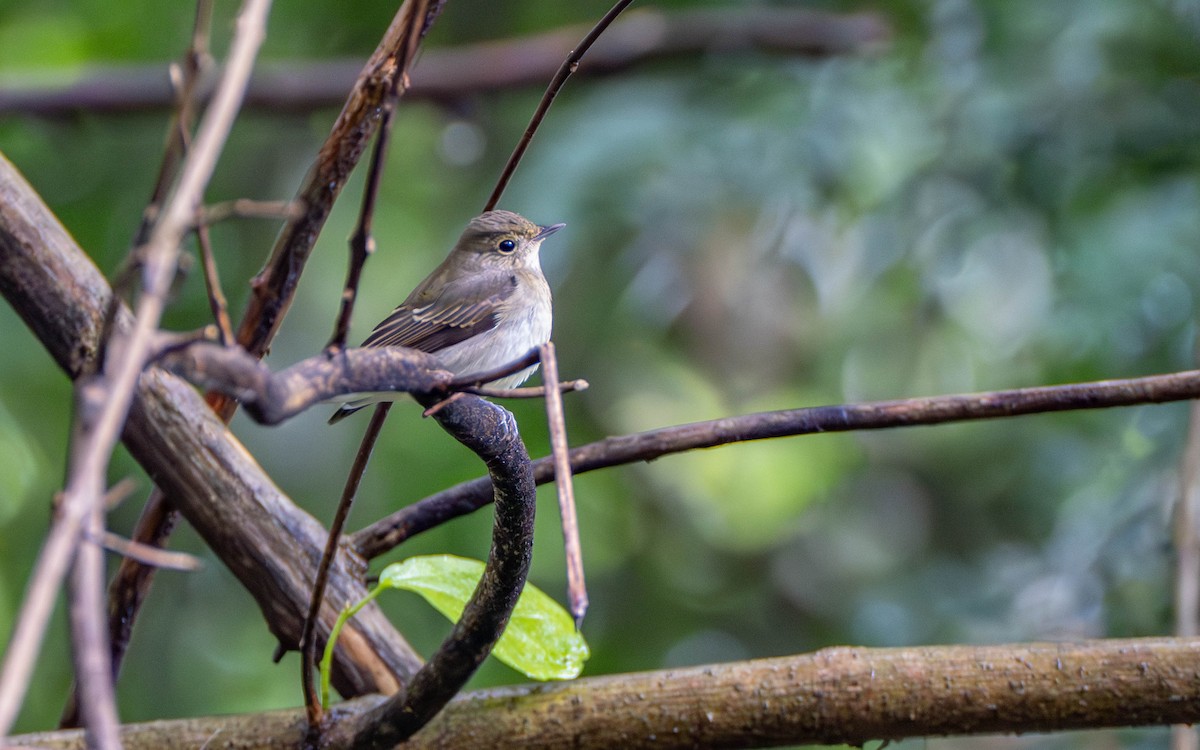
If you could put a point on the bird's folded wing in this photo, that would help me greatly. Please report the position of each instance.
(460, 312)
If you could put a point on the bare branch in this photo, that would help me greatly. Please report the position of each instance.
(576, 588)
(449, 74)
(147, 554)
(568, 66)
(105, 402)
(270, 545)
(245, 208)
(469, 496)
(271, 398)
(833, 696)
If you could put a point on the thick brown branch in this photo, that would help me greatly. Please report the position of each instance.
(452, 73)
(466, 497)
(836, 695)
(268, 543)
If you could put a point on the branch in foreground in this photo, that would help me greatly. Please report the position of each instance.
(104, 402)
(467, 497)
(836, 695)
(276, 283)
(447, 74)
(264, 539)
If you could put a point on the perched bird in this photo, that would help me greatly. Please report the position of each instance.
(484, 306)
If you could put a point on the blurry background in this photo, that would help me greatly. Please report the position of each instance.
(1005, 195)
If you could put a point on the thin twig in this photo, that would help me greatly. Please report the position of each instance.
(1187, 556)
(245, 208)
(275, 286)
(362, 245)
(104, 404)
(530, 357)
(576, 587)
(362, 242)
(560, 77)
(119, 492)
(89, 639)
(185, 81)
(147, 554)
(212, 284)
(469, 496)
(528, 391)
(308, 644)
(131, 583)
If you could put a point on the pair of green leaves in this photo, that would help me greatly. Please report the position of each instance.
(541, 640)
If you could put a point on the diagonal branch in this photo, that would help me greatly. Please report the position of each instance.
(469, 496)
(276, 283)
(105, 401)
(269, 544)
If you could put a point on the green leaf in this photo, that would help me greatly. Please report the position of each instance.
(541, 640)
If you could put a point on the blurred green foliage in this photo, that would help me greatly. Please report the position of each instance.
(1005, 196)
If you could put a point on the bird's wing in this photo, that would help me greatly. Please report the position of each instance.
(462, 310)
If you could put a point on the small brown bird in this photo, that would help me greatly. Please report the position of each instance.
(484, 306)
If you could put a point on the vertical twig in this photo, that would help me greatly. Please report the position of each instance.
(104, 401)
(212, 283)
(560, 77)
(308, 641)
(89, 641)
(362, 244)
(576, 587)
(131, 583)
(185, 80)
(276, 285)
(1187, 551)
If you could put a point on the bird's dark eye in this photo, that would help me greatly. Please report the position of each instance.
(507, 246)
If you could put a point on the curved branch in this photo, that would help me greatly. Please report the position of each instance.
(836, 695)
(271, 398)
(491, 432)
(383, 535)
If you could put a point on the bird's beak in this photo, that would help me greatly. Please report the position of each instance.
(544, 232)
